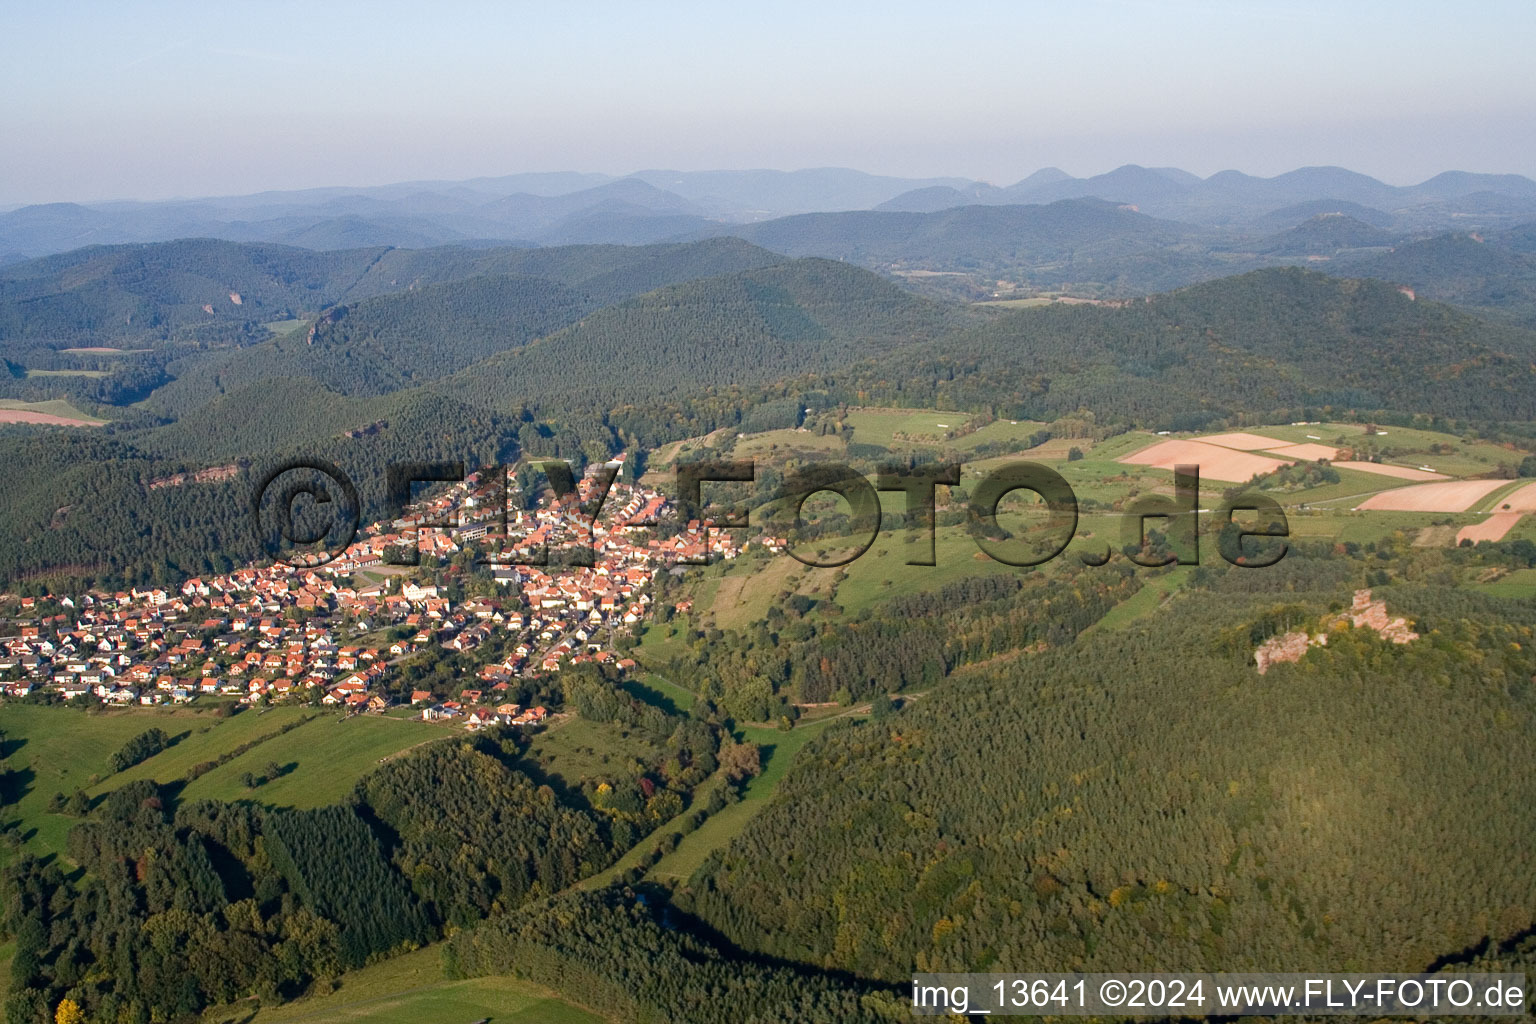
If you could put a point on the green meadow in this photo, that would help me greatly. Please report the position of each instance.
(778, 751)
(320, 760)
(412, 989)
(60, 750)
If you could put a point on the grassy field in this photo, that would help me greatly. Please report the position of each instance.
(778, 749)
(662, 693)
(52, 407)
(204, 742)
(777, 445)
(66, 373)
(1154, 591)
(1520, 583)
(321, 760)
(411, 989)
(576, 749)
(750, 586)
(660, 643)
(876, 426)
(1034, 302)
(882, 572)
(281, 327)
(999, 432)
(59, 749)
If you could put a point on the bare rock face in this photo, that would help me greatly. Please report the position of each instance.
(1369, 614)
(1364, 613)
(1285, 647)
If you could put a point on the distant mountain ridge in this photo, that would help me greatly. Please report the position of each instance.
(566, 207)
(1232, 197)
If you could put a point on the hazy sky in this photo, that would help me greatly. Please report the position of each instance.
(114, 100)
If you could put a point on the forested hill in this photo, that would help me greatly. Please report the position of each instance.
(977, 235)
(217, 292)
(605, 273)
(435, 321)
(86, 505)
(1494, 277)
(1281, 339)
(144, 294)
(398, 376)
(671, 348)
(388, 342)
(1149, 802)
(1326, 234)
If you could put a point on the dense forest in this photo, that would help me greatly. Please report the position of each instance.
(905, 644)
(179, 906)
(608, 950)
(1246, 346)
(1145, 800)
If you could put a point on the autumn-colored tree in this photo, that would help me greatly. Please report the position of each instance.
(69, 1012)
(740, 760)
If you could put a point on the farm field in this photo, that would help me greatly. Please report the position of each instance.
(54, 412)
(876, 426)
(1411, 447)
(1352, 484)
(1240, 440)
(412, 989)
(321, 760)
(1385, 469)
(59, 749)
(999, 432)
(1309, 452)
(781, 444)
(1452, 496)
(1493, 528)
(1505, 509)
(1215, 461)
(1520, 497)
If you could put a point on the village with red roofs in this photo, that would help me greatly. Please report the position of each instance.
(335, 635)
